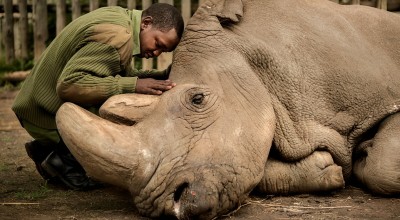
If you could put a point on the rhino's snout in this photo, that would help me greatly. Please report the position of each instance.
(195, 201)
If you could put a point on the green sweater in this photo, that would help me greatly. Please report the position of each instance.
(88, 62)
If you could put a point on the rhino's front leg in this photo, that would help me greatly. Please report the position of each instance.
(377, 161)
(314, 173)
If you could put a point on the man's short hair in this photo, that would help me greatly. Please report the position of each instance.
(165, 17)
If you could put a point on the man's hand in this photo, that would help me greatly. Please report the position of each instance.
(152, 86)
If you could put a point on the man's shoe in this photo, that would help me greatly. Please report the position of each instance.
(65, 169)
(38, 153)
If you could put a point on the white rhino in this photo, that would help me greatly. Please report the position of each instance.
(310, 85)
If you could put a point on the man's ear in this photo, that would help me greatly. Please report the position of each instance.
(146, 22)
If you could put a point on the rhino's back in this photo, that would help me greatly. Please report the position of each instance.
(332, 62)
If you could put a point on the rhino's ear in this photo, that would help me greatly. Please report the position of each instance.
(229, 11)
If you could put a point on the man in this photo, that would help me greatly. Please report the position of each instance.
(88, 62)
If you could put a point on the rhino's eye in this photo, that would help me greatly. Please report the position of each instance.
(197, 99)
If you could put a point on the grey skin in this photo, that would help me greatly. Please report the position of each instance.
(315, 83)
(391, 5)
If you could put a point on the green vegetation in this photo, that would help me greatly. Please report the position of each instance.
(42, 192)
(3, 167)
(17, 65)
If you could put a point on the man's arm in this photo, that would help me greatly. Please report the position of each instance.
(91, 77)
(155, 74)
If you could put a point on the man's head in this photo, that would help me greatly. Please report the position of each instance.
(161, 29)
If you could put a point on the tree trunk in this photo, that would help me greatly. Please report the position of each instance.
(112, 2)
(186, 10)
(61, 15)
(9, 31)
(94, 4)
(131, 4)
(201, 2)
(382, 4)
(147, 64)
(23, 28)
(76, 9)
(164, 59)
(40, 27)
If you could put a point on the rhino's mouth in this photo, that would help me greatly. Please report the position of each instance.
(201, 192)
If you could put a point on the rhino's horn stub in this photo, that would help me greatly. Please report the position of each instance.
(227, 12)
(128, 109)
(101, 146)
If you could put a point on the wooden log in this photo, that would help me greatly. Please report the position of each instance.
(186, 10)
(112, 2)
(9, 31)
(382, 4)
(61, 7)
(201, 2)
(15, 77)
(94, 4)
(164, 59)
(23, 28)
(76, 9)
(147, 64)
(131, 4)
(40, 27)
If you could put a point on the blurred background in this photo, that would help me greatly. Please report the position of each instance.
(28, 26)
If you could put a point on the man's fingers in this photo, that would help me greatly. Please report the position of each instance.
(155, 92)
(168, 83)
(153, 87)
(163, 86)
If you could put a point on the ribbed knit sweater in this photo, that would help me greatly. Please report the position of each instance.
(88, 62)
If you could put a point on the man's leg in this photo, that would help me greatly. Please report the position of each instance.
(43, 144)
(54, 161)
(62, 165)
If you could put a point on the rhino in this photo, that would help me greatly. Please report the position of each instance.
(276, 97)
(390, 5)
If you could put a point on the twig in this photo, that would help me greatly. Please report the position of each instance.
(306, 207)
(19, 203)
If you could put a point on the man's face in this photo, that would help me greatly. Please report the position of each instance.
(153, 41)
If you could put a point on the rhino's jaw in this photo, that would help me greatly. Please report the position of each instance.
(193, 195)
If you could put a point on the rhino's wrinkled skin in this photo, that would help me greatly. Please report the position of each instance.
(316, 83)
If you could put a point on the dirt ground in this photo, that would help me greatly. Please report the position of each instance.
(24, 195)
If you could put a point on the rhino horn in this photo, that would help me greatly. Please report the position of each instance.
(115, 159)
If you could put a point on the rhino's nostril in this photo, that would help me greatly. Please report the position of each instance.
(179, 191)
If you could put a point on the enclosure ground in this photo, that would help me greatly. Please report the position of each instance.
(24, 195)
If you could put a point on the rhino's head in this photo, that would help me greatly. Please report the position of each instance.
(197, 150)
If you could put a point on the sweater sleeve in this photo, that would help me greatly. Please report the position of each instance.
(92, 75)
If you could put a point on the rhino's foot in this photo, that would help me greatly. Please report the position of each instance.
(314, 173)
(377, 163)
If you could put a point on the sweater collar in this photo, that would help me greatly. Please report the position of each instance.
(136, 18)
